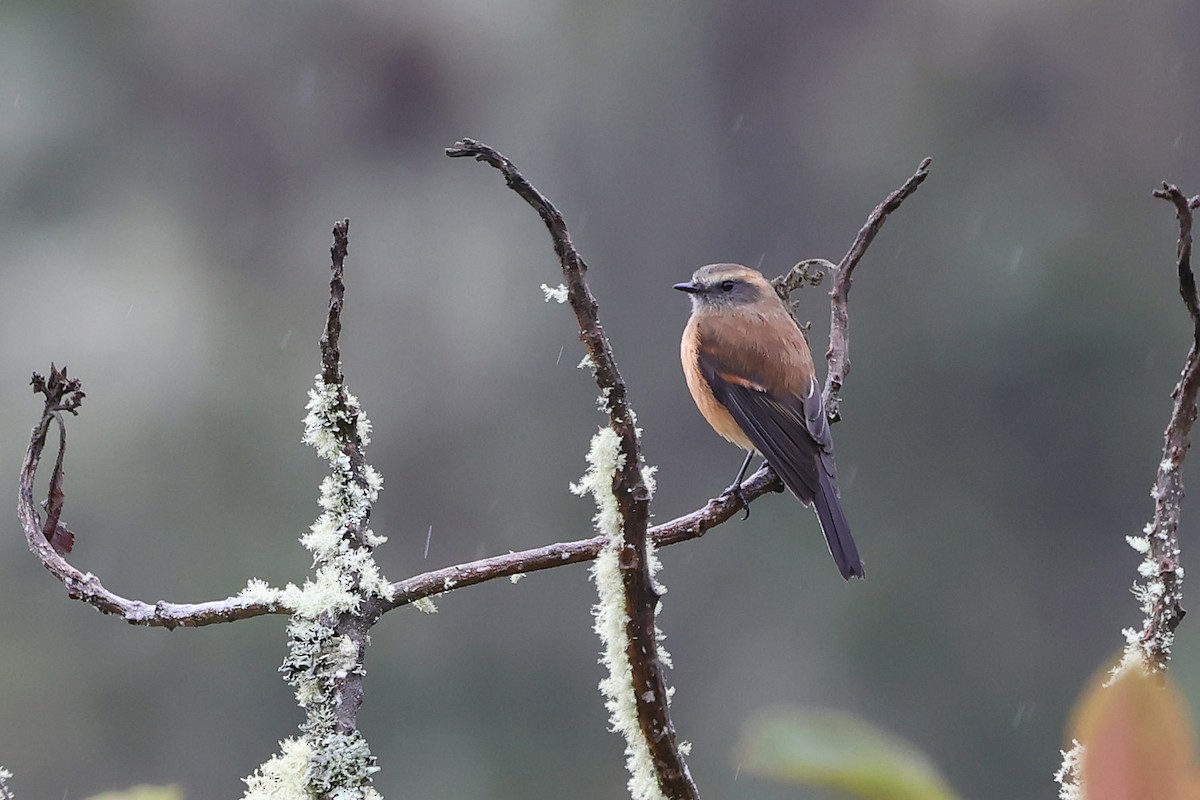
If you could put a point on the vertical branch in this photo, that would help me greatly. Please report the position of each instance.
(348, 688)
(331, 355)
(327, 637)
(1161, 592)
(628, 486)
(838, 356)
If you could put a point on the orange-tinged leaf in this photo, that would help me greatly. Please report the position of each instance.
(1138, 739)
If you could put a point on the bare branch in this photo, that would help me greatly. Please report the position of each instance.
(331, 354)
(682, 529)
(65, 394)
(633, 496)
(838, 356)
(1162, 592)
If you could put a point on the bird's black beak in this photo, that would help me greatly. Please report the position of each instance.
(691, 287)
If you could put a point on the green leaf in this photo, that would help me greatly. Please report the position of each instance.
(143, 793)
(839, 751)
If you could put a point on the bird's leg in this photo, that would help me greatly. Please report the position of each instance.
(736, 488)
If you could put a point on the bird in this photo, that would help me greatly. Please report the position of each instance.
(751, 374)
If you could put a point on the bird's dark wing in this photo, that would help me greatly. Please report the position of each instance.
(793, 435)
(791, 432)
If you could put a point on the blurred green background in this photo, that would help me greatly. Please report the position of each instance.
(169, 173)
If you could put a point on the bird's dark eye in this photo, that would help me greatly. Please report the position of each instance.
(726, 286)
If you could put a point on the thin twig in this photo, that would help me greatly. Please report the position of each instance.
(65, 394)
(633, 496)
(1162, 593)
(330, 340)
(838, 356)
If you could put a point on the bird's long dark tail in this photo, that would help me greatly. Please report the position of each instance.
(836, 528)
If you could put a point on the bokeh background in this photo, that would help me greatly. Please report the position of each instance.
(169, 173)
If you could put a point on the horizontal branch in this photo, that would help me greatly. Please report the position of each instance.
(681, 529)
(89, 589)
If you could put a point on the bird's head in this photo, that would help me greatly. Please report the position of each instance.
(727, 285)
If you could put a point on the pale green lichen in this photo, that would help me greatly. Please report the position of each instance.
(604, 459)
(323, 538)
(328, 593)
(284, 776)
(425, 605)
(341, 765)
(326, 762)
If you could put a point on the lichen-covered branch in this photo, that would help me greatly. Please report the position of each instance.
(327, 636)
(64, 394)
(619, 481)
(1160, 589)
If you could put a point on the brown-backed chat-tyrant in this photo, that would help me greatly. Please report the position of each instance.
(751, 374)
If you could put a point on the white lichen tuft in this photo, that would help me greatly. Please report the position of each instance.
(1155, 591)
(648, 478)
(604, 459)
(556, 293)
(284, 776)
(258, 591)
(5, 792)
(1139, 543)
(1133, 658)
(516, 578)
(1070, 774)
